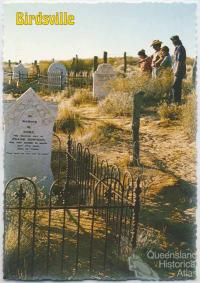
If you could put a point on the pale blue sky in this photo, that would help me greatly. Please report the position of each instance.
(112, 27)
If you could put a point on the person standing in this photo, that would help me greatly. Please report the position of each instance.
(166, 60)
(156, 44)
(179, 67)
(144, 62)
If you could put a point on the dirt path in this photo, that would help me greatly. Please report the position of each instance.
(163, 146)
(167, 217)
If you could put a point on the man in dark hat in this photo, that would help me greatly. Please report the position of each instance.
(156, 44)
(179, 67)
(144, 62)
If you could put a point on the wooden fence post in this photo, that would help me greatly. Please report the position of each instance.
(76, 60)
(11, 76)
(125, 62)
(137, 102)
(61, 76)
(105, 57)
(95, 63)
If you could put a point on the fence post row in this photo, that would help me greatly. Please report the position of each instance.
(75, 79)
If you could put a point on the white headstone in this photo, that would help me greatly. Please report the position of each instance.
(28, 136)
(20, 72)
(101, 76)
(57, 74)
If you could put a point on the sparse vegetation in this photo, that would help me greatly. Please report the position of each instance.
(164, 224)
(189, 115)
(83, 96)
(67, 121)
(117, 104)
(169, 111)
(119, 101)
(105, 132)
(186, 113)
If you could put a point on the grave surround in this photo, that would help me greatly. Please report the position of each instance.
(57, 74)
(20, 72)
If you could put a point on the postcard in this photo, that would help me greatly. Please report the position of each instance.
(99, 122)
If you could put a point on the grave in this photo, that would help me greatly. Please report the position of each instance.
(28, 125)
(57, 74)
(101, 76)
(20, 72)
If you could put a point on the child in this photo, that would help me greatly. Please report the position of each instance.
(144, 62)
(166, 61)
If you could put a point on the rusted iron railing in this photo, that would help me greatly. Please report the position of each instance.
(78, 230)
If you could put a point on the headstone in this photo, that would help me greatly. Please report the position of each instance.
(101, 76)
(28, 136)
(20, 72)
(57, 74)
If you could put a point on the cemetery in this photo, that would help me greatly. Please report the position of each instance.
(91, 180)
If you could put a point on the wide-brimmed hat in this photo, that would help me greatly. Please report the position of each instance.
(175, 37)
(156, 42)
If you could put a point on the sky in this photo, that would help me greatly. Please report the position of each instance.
(111, 27)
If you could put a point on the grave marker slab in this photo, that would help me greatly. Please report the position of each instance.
(28, 136)
(101, 76)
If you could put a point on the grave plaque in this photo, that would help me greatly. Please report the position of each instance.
(101, 76)
(28, 136)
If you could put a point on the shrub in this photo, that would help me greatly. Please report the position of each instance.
(117, 103)
(119, 100)
(82, 96)
(189, 115)
(169, 111)
(68, 92)
(67, 121)
(187, 87)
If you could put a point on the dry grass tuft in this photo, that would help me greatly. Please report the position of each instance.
(117, 104)
(68, 121)
(83, 96)
(169, 111)
(104, 132)
(189, 116)
(119, 101)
